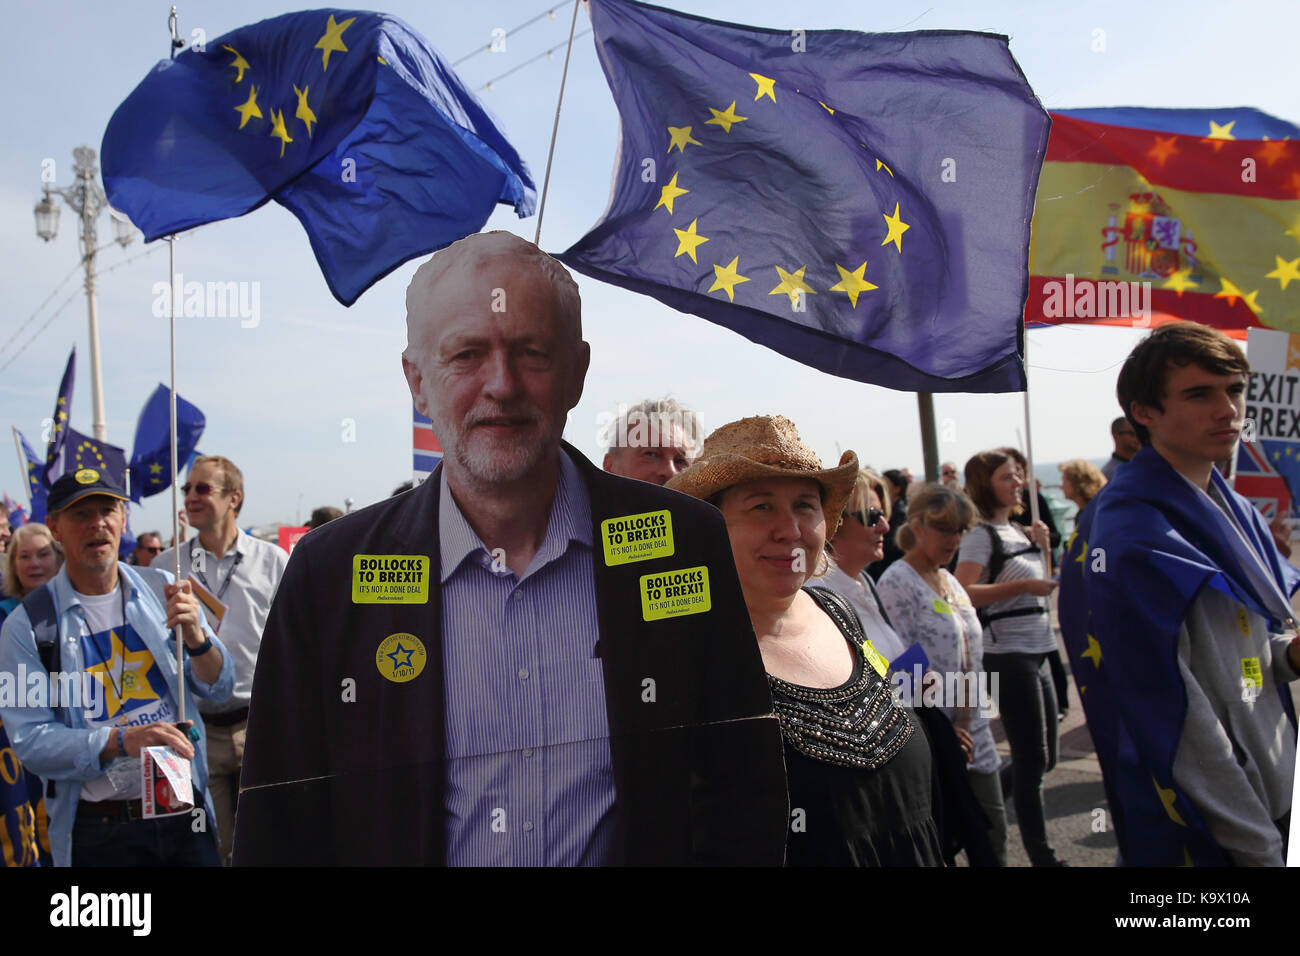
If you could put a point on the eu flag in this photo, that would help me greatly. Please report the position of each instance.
(151, 453)
(59, 421)
(1145, 547)
(82, 451)
(857, 202)
(37, 489)
(350, 120)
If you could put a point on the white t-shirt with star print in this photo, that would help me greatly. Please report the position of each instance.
(132, 691)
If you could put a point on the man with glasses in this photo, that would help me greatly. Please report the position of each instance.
(241, 573)
(1126, 446)
(949, 476)
(147, 547)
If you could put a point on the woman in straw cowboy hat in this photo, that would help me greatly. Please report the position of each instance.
(857, 763)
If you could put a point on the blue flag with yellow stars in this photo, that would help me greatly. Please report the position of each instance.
(350, 120)
(857, 202)
(82, 451)
(37, 489)
(1143, 550)
(151, 453)
(59, 421)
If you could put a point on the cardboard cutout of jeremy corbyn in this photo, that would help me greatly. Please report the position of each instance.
(524, 661)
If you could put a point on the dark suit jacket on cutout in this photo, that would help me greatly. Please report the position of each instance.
(699, 773)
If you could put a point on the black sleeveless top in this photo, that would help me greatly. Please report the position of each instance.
(857, 767)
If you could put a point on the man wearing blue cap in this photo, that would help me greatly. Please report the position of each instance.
(106, 625)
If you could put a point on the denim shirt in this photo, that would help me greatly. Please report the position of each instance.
(56, 744)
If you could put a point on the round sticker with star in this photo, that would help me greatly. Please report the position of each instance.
(400, 658)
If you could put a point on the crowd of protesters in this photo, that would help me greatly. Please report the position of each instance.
(862, 633)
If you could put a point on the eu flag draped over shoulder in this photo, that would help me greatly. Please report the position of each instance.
(1144, 549)
(857, 202)
(350, 120)
(151, 470)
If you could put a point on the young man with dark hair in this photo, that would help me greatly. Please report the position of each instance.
(1175, 608)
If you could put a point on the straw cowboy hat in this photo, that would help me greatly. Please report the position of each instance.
(766, 446)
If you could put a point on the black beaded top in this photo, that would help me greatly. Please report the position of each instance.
(854, 725)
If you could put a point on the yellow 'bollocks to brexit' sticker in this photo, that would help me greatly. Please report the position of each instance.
(390, 579)
(675, 593)
(1251, 673)
(874, 658)
(637, 537)
(400, 657)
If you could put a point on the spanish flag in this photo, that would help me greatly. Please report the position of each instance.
(1149, 215)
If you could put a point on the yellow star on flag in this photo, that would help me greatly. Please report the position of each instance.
(1251, 303)
(279, 131)
(304, 111)
(249, 108)
(688, 240)
(792, 284)
(1273, 150)
(1180, 281)
(1229, 291)
(155, 469)
(1285, 271)
(853, 283)
(125, 671)
(332, 41)
(1220, 133)
(727, 278)
(1163, 149)
(1167, 797)
(896, 229)
(239, 63)
(825, 107)
(1083, 554)
(880, 166)
(679, 136)
(1093, 653)
(766, 87)
(669, 193)
(725, 118)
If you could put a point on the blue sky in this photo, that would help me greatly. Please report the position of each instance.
(278, 396)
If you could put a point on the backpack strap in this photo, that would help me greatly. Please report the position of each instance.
(39, 605)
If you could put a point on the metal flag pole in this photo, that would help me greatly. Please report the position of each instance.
(22, 466)
(175, 44)
(1045, 549)
(555, 129)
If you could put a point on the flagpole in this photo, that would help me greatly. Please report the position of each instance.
(929, 442)
(171, 310)
(555, 129)
(27, 482)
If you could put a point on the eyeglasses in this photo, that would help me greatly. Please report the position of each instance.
(202, 488)
(868, 518)
(156, 549)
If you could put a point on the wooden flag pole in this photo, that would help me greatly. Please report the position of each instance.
(22, 466)
(929, 441)
(555, 129)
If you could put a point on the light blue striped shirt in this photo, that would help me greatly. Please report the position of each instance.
(529, 777)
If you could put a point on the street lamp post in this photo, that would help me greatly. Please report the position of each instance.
(87, 200)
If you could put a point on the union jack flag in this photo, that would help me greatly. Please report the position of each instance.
(424, 444)
(1259, 480)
